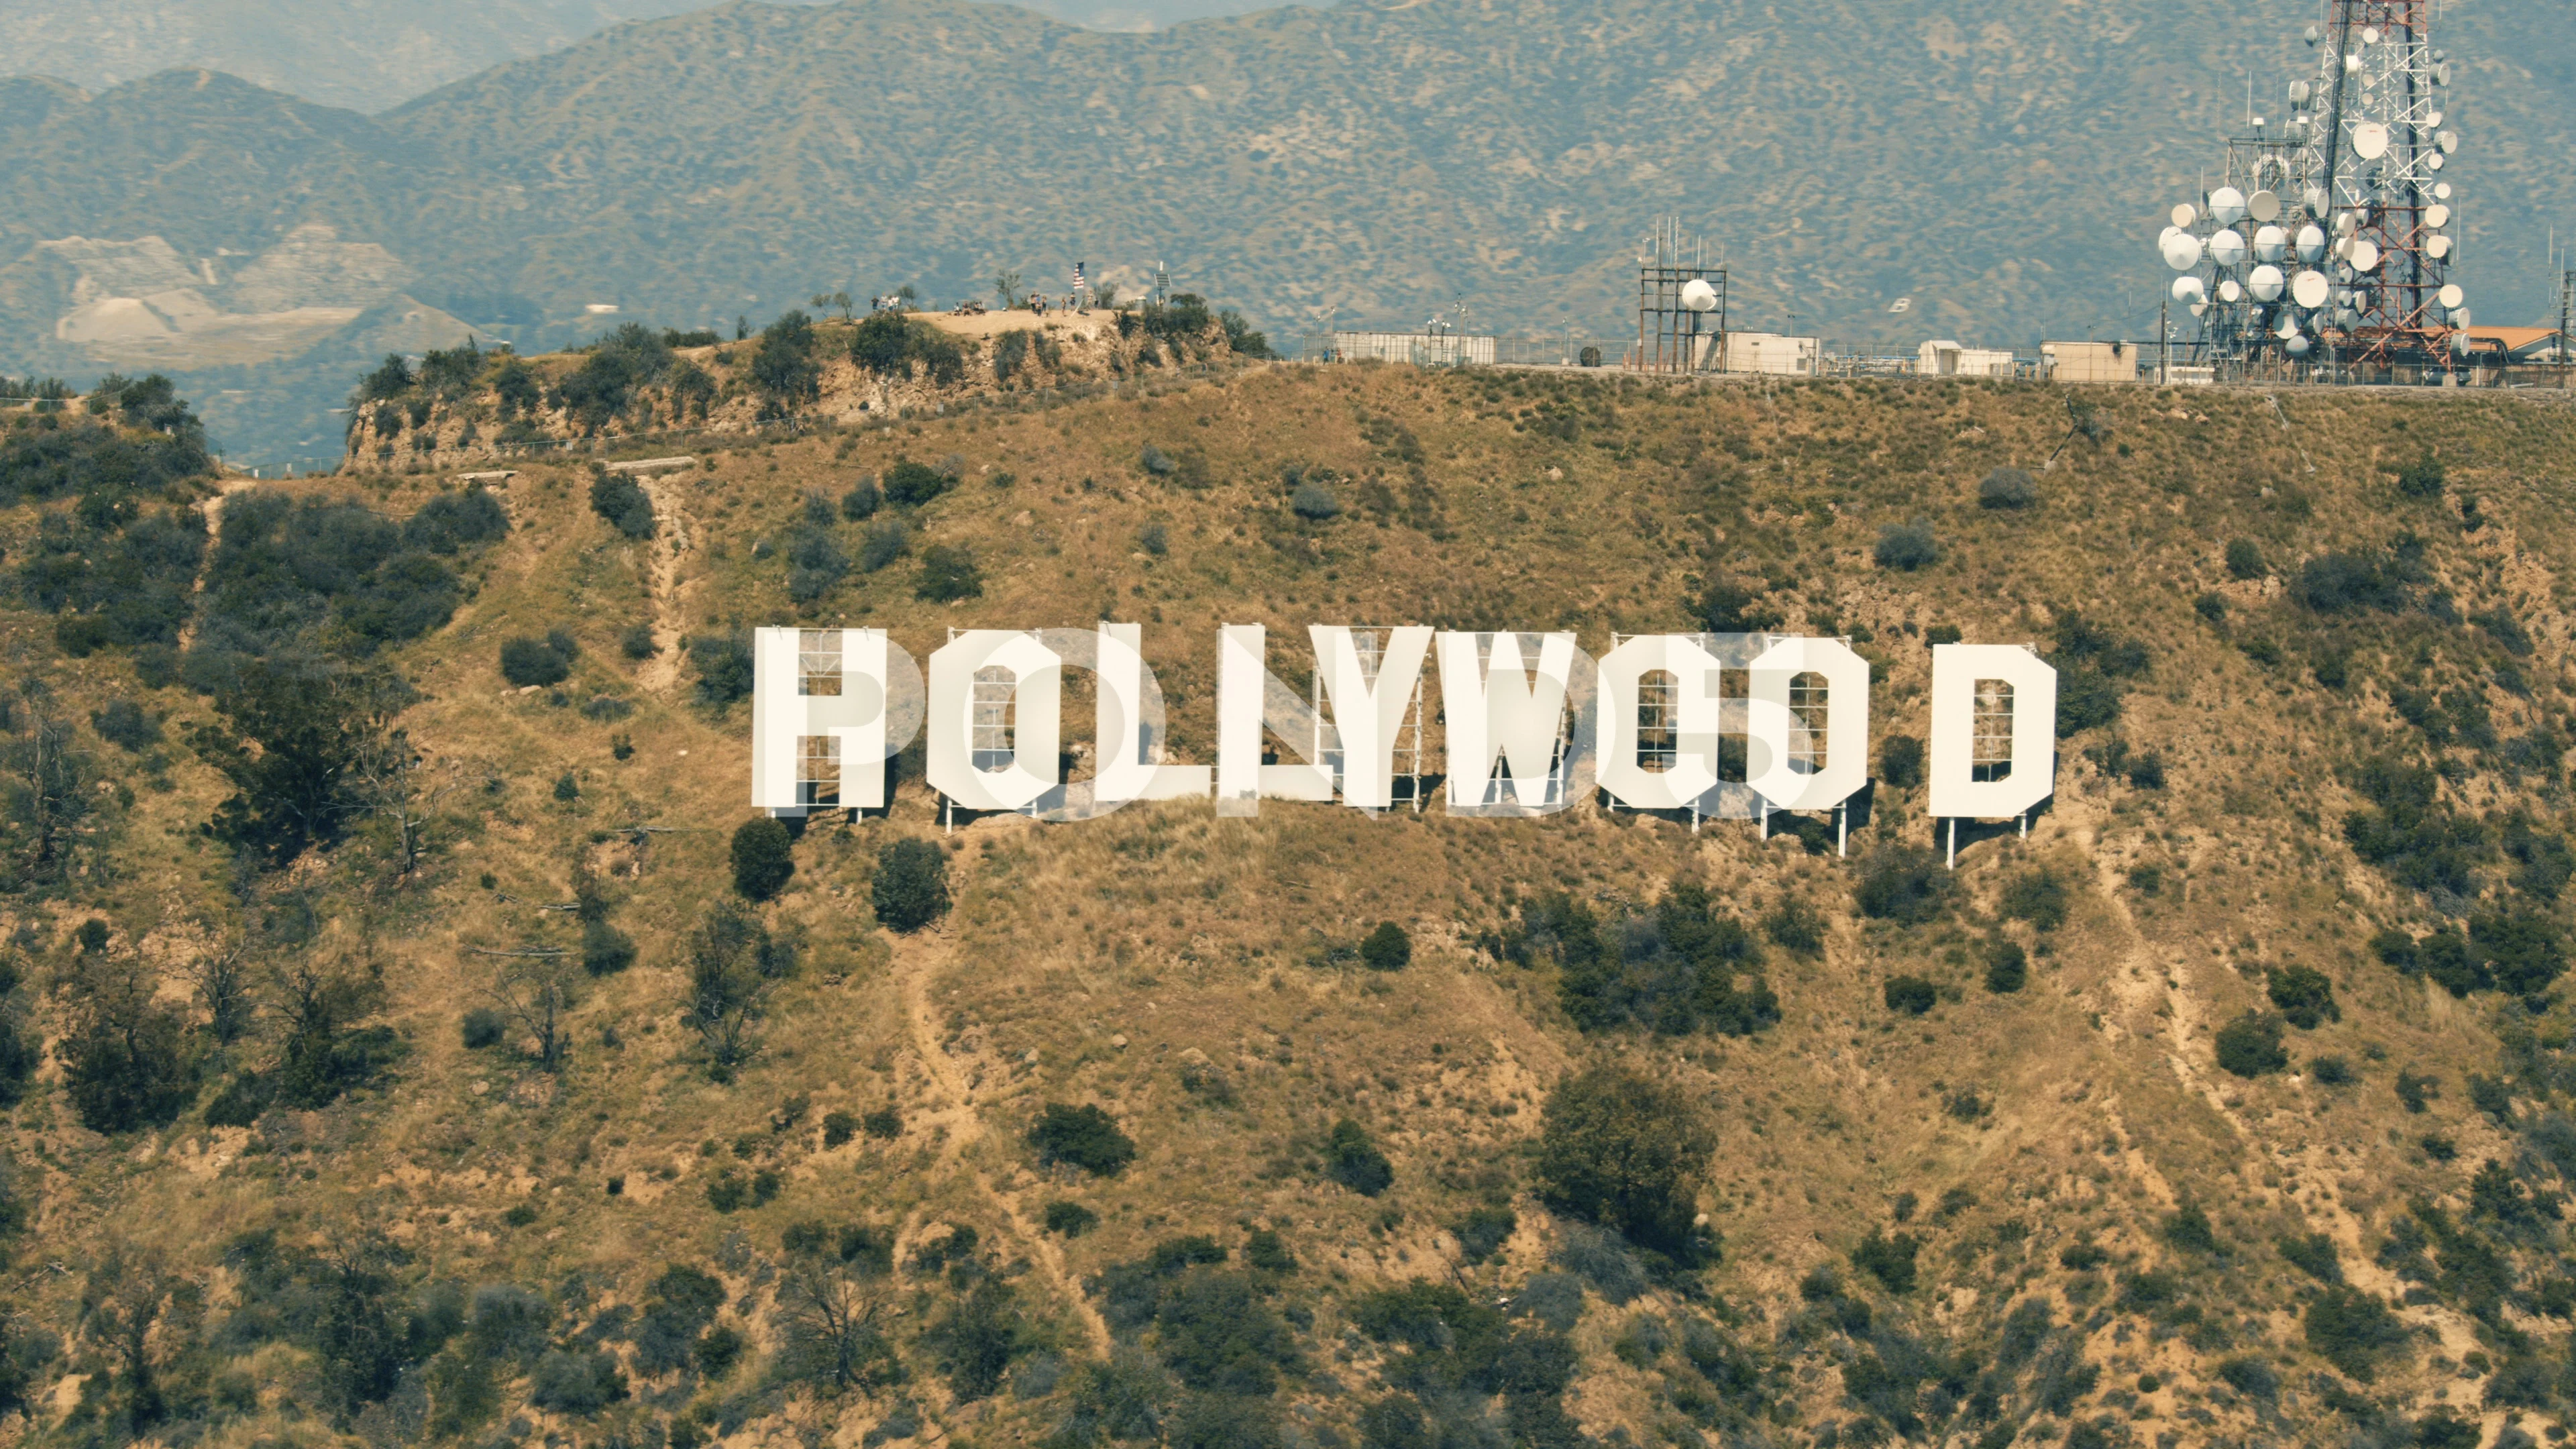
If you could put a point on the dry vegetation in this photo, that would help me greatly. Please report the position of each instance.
(2040, 1215)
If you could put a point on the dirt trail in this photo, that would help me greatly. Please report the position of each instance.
(918, 961)
(672, 533)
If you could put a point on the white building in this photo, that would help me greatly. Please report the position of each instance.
(2089, 361)
(1767, 353)
(1949, 359)
(1426, 349)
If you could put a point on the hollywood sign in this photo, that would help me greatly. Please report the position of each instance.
(1731, 726)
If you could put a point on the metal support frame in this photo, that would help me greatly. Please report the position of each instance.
(1368, 642)
(1668, 333)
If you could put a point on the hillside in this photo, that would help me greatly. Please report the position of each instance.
(2002, 169)
(455, 1091)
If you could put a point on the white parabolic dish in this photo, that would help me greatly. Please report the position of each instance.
(2451, 296)
(2187, 289)
(2271, 244)
(2437, 215)
(2227, 248)
(2184, 214)
(2263, 206)
(2312, 242)
(2265, 283)
(2227, 206)
(1699, 296)
(2182, 251)
(2308, 289)
(2365, 254)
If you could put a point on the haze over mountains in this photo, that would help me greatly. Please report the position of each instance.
(2002, 165)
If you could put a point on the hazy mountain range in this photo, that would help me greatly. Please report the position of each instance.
(2003, 165)
(369, 55)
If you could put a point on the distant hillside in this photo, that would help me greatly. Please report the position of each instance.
(372, 54)
(409, 1039)
(2001, 167)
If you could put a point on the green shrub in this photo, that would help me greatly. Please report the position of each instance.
(637, 642)
(2332, 1071)
(724, 666)
(717, 1351)
(1911, 995)
(528, 661)
(782, 365)
(884, 543)
(727, 1191)
(1795, 927)
(1907, 546)
(909, 484)
(862, 501)
(2312, 1254)
(2189, 1228)
(124, 724)
(483, 1027)
(1267, 1251)
(2038, 896)
(2352, 1329)
(576, 1382)
(2423, 478)
(2007, 488)
(1313, 502)
(1900, 762)
(1483, 1231)
(2304, 996)
(1627, 1151)
(1902, 883)
(605, 950)
(1071, 1219)
(2211, 606)
(885, 1124)
(623, 502)
(2250, 1046)
(948, 573)
(1083, 1136)
(911, 885)
(2245, 559)
(1387, 948)
(763, 857)
(453, 522)
(1355, 1162)
(1888, 1259)
(2007, 966)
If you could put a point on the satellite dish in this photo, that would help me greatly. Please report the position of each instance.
(2460, 343)
(2316, 200)
(2449, 141)
(2299, 93)
(2308, 289)
(2438, 248)
(2442, 190)
(2227, 206)
(2199, 309)
(2433, 119)
(2460, 317)
(2442, 74)
(2352, 65)
(2265, 283)
(2298, 347)
(2184, 214)
(2433, 161)
(2437, 215)
(2370, 35)
(2312, 243)
(2313, 35)
(2228, 291)
(2270, 244)
(2370, 140)
(2288, 329)
(2182, 251)
(2365, 254)
(2263, 205)
(2188, 289)
(2227, 248)
(1699, 296)
(2451, 296)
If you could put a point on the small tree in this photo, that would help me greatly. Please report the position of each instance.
(537, 994)
(832, 1319)
(295, 742)
(623, 502)
(727, 988)
(1387, 948)
(2250, 1046)
(2007, 488)
(1624, 1150)
(763, 857)
(2245, 559)
(1355, 1162)
(1907, 546)
(528, 661)
(1910, 995)
(124, 1057)
(911, 886)
(948, 573)
(1313, 502)
(1084, 1136)
(2305, 997)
